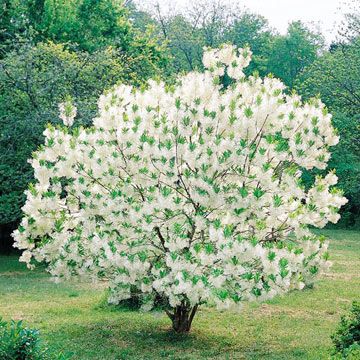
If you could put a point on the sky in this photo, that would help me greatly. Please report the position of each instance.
(325, 14)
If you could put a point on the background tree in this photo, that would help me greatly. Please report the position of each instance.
(290, 54)
(215, 22)
(33, 81)
(350, 26)
(252, 30)
(335, 76)
(202, 23)
(35, 76)
(14, 24)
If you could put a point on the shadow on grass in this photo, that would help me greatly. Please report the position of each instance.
(119, 339)
(137, 335)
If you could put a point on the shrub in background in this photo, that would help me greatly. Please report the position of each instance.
(20, 343)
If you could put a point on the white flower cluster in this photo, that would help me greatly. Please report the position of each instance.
(227, 59)
(190, 193)
(67, 112)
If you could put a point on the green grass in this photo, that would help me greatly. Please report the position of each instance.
(73, 317)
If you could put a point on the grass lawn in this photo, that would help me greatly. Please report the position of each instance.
(75, 318)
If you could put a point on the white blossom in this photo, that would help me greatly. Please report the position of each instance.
(67, 113)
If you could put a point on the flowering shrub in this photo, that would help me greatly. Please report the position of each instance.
(186, 195)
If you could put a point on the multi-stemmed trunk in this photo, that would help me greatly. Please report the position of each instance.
(182, 317)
